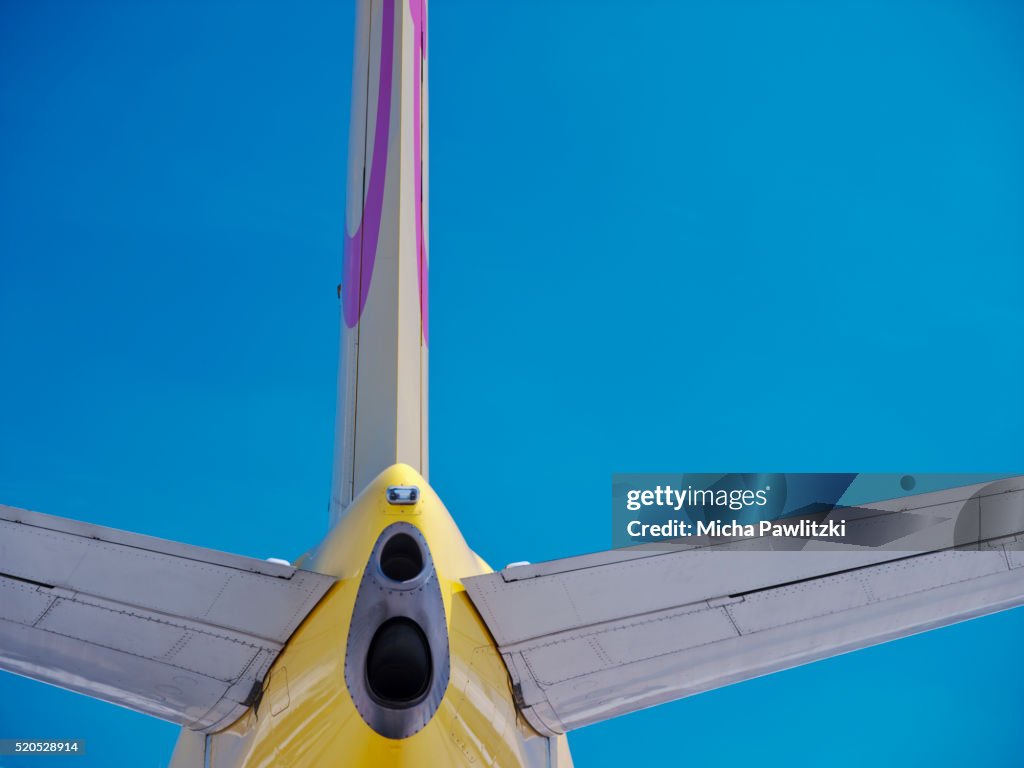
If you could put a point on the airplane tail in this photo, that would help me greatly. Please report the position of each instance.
(382, 379)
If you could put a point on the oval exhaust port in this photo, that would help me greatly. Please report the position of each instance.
(401, 558)
(398, 667)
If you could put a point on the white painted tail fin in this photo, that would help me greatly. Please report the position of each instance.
(382, 381)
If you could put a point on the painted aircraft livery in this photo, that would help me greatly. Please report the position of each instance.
(391, 643)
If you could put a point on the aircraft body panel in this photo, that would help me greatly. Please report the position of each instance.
(307, 716)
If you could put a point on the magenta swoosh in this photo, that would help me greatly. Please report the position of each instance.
(361, 246)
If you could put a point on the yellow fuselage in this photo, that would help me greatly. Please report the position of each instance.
(307, 716)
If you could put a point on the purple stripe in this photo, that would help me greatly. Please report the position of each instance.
(361, 247)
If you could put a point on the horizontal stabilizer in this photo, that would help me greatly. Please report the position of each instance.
(592, 637)
(179, 632)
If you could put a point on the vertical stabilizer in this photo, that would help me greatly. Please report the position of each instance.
(382, 381)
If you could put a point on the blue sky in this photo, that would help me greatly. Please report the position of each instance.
(665, 236)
